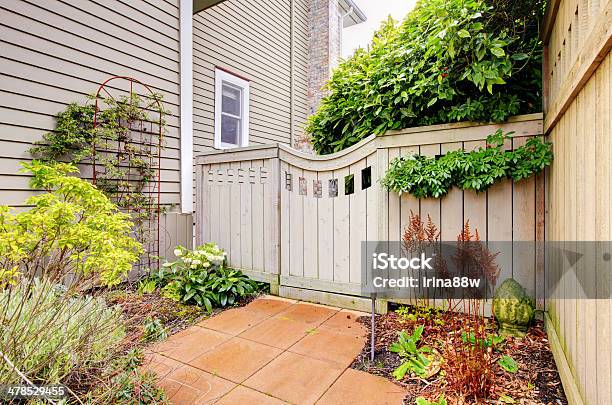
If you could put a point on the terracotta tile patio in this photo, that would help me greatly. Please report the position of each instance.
(272, 351)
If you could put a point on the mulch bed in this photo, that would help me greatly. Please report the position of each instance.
(175, 316)
(536, 382)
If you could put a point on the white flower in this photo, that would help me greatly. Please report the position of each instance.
(177, 252)
(217, 260)
(193, 266)
(196, 262)
(167, 265)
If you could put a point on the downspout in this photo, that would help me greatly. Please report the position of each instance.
(291, 73)
(186, 107)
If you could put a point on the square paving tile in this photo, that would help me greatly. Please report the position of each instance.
(345, 321)
(329, 345)
(312, 314)
(190, 343)
(359, 387)
(243, 395)
(237, 359)
(233, 321)
(188, 385)
(269, 305)
(277, 332)
(295, 378)
(160, 365)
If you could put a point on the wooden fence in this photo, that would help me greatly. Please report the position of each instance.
(577, 82)
(297, 220)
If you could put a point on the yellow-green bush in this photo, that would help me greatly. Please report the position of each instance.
(72, 229)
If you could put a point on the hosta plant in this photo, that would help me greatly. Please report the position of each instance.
(201, 277)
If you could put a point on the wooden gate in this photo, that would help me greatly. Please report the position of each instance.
(297, 220)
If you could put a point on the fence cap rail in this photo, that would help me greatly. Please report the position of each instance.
(522, 125)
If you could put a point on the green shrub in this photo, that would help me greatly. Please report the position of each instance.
(72, 229)
(200, 277)
(48, 333)
(448, 61)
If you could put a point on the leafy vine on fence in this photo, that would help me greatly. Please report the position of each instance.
(424, 176)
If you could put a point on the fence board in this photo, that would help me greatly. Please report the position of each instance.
(285, 195)
(311, 223)
(341, 235)
(247, 205)
(451, 206)
(357, 222)
(325, 210)
(499, 223)
(235, 217)
(257, 201)
(603, 172)
(475, 204)
(523, 228)
(296, 225)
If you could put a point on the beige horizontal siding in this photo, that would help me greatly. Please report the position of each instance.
(56, 52)
(300, 67)
(253, 39)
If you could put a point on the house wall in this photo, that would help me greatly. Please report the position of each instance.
(577, 72)
(264, 41)
(56, 52)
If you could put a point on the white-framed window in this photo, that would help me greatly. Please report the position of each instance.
(231, 110)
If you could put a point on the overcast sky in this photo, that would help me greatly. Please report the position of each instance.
(376, 11)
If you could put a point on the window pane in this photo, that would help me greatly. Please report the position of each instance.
(230, 130)
(230, 100)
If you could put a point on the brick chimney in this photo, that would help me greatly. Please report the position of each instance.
(324, 47)
(326, 19)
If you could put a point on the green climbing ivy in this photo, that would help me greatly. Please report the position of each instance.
(425, 177)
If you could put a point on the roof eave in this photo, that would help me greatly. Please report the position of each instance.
(355, 15)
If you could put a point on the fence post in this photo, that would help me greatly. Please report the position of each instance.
(199, 195)
(274, 224)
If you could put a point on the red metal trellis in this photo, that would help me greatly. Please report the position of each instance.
(138, 146)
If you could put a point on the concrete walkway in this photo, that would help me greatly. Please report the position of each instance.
(272, 351)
